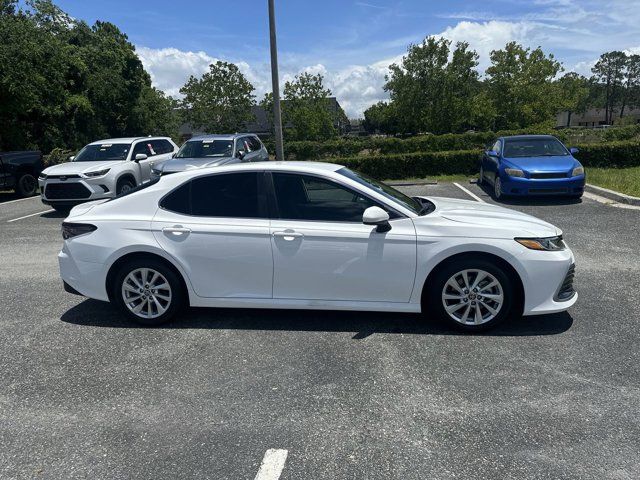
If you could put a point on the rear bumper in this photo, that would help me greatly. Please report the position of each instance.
(555, 186)
(82, 278)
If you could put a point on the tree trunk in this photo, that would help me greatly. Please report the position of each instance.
(569, 118)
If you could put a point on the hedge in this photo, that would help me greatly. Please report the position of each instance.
(351, 147)
(466, 162)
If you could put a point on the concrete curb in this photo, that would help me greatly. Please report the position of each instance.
(612, 195)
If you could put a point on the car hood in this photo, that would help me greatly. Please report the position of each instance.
(76, 168)
(182, 164)
(466, 218)
(560, 163)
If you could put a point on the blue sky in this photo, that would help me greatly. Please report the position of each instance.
(353, 42)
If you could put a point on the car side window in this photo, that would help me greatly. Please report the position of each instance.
(141, 147)
(161, 146)
(179, 200)
(305, 197)
(254, 143)
(227, 195)
(240, 145)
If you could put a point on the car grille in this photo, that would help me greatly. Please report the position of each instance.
(566, 291)
(62, 177)
(65, 191)
(548, 191)
(546, 175)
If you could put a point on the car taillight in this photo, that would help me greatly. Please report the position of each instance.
(70, 230)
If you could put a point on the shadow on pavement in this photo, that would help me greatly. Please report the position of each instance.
(8, 195)
(362, 324)
(535, 201)
(55, 214)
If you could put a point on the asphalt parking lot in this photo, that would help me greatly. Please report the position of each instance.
(84, 394)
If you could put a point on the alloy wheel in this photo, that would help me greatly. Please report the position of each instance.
(472, 297)
(497, 188)
(146, 293)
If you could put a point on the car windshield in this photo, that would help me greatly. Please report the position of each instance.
(382, 188)
(105, 151)
(206, 148)
(534, 147)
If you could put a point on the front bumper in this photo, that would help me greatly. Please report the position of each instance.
(74, 191)
(554, 186)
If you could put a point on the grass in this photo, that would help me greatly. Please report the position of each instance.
(624, 180)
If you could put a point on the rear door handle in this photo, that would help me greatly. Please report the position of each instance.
(288, 235)
(176, 230)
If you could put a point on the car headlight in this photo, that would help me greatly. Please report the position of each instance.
(97, 173)
(577, 171)
(514, 172)
(42, 176)
(549, 244)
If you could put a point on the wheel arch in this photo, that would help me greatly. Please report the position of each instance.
(508, 268)
(116, 265)
(127, 175)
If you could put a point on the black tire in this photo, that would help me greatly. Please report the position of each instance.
(26, 185)
(124, 185)
(177, 293)
(433, 301)
(497, 189)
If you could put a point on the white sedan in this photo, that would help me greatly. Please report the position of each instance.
(311, 236)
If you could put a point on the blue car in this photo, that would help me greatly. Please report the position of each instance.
(526, 165)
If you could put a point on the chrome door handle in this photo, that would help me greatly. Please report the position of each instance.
(177, 230)
(288, 236)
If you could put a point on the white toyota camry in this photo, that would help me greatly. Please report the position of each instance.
(311, 236)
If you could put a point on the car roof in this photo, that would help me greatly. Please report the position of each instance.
(220, 136)
(126, 140)
(527, 137)
(302, 167)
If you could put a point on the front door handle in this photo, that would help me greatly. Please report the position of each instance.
(289, 236)
(177, 230)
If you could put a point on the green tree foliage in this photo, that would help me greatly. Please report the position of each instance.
(306, 110)
(220, 101)
(520, 83)
(64, 83)
(432, 87)
(573, 94)
(380, 118)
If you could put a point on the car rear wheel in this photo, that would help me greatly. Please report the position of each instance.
(27, 185)
(471, 295)
(148, 291)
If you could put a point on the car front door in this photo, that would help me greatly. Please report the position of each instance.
(323, 251)
(217, 227)
(144, 147)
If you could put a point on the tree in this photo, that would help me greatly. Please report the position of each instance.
(380, 118)
(306, 110)
(520, 84)
(430, 89)
(573, 94)
(631, 93)
(609, 73)
(220, 101)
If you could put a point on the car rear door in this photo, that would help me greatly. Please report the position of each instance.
(323, 251)
(217, 227)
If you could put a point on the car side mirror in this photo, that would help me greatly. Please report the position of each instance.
(376, 216)
(573, 150)
(492, 153)
(240, 154)
(140, 156)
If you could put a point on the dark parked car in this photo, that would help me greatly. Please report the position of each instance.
(19, 171)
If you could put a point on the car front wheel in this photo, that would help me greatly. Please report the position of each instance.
(497, 188)
(148, 291)
(472, 295)
(27, 185)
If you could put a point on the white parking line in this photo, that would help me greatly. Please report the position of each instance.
(272, 464)
(19, 200)
(31, 215)
(470, 193)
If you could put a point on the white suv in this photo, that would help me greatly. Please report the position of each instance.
(103, 169)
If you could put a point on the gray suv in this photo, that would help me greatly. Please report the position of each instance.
(214, 151)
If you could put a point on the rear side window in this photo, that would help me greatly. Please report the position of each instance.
(236, 195)
(161, 146)
(254, 143)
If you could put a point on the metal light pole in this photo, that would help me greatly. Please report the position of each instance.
(275, 81)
